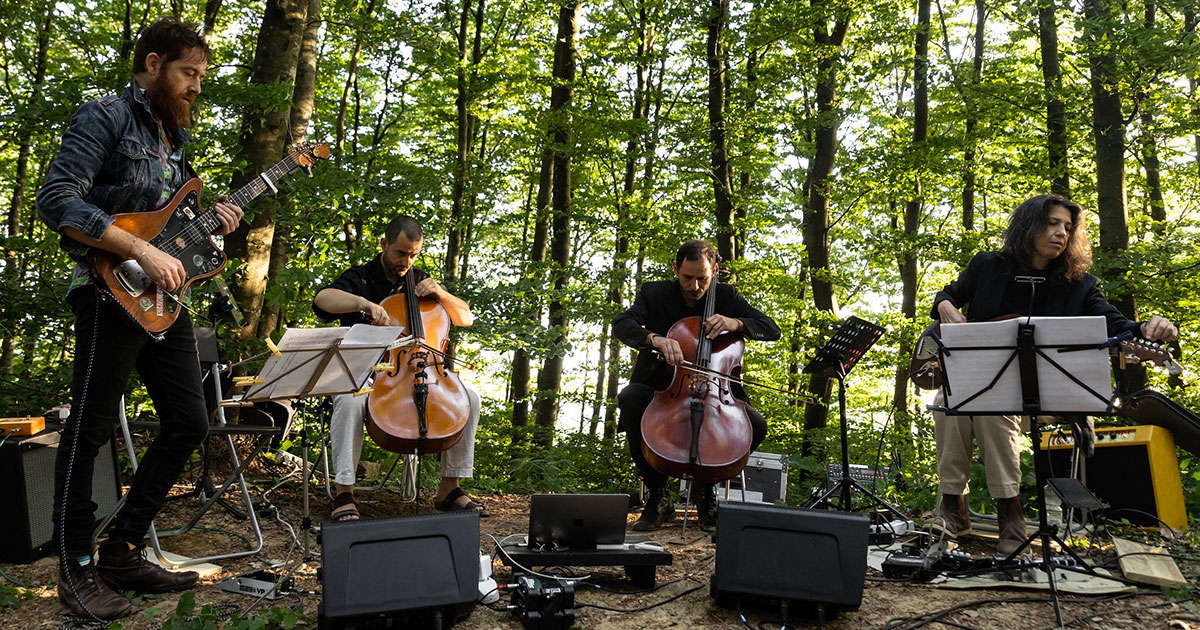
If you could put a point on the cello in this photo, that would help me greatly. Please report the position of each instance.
(696, 427)
(419, 405)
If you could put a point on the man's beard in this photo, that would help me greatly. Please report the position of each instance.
(171, 109)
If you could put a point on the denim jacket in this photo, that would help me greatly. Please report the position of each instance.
(109, 164)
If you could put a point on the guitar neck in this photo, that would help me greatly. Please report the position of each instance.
(253, 190)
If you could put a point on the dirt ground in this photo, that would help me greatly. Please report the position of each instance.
(687, 577)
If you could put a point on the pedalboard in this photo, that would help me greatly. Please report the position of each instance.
(543, 604)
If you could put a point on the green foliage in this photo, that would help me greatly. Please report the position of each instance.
(11, 597)
(389, 80)
(211, 617)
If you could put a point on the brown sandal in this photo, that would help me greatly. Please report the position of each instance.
(344, 508)
(450, 504)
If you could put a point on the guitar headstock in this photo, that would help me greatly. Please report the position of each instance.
(1141, 350)
(304, 155)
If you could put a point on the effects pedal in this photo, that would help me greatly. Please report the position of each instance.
(543, 604)
(905, 566)
(258, 584)
(29, 425)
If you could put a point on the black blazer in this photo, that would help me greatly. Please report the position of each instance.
(980, 287)
(659, 305)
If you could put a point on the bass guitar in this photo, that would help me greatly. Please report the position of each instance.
(182, 229)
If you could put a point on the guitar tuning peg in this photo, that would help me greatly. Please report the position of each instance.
(307, 169)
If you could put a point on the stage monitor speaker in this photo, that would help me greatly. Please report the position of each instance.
(1133, 468)
(27, 465)
(795, 554)
(403, 572)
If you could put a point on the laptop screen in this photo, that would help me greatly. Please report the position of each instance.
(576, 521)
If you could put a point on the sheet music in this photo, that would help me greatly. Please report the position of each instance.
(355, 351)
(969, 370)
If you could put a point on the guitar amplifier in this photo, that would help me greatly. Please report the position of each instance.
(27, 464)
(766, 480)
(1133, 468)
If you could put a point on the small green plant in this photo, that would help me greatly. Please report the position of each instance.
(211, 618)
(11, 597)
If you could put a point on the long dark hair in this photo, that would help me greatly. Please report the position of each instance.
(1030, 220)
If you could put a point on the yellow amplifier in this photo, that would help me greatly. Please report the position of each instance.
(1133, 468)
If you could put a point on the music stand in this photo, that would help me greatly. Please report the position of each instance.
(312, 362)
(835, 359)
(1030, 366)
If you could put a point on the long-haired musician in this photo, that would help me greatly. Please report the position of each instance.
(1045, 239)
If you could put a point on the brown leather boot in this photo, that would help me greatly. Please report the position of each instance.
(658, 509)
(955, 514)
(126, 569)
(1012, 525)
(85, 595)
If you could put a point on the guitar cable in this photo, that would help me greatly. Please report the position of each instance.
(66, 489)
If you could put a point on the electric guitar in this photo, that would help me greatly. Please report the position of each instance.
(182, 229)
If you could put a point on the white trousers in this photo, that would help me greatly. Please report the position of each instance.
(346, 438)
(999, 446)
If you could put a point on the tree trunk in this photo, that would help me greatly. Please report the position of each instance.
(970, 160)
(264, 134)
(212, 8)
(13, 262)
(620, 273)
(1108, 127)
(1154, 191)
(745, 183)
(816, 212)
(1056, 109)
(912, 209)
(550, 376)
(303, 97)
(463, 121)
(723, 203)
(535, 270)
(601, 364)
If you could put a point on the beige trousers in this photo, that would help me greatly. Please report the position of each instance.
(998, 446)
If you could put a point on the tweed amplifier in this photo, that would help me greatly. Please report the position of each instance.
(27, 464)
(1134, 470)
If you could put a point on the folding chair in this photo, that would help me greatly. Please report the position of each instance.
(211, 366)
(408, 474)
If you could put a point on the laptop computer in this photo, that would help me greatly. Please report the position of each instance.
(576, 521)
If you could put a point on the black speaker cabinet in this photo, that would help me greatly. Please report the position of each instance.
(403, 572)
(27, 466)
(805, 556)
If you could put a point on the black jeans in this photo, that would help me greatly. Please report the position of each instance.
(633, 400)
(107, 348)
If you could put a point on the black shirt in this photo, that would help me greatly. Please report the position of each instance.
(660, 304)
(366, 281)
(987, 289)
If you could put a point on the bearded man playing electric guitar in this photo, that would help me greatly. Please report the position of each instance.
(126, 153)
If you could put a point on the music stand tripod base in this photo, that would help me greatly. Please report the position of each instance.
(835, 360)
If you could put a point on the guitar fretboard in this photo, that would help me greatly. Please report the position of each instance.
(207, 223)
(258, 185)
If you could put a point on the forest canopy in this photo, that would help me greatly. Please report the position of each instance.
(846, 157)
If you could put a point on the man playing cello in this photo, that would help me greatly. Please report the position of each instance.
(354, 299)
(656, 308)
